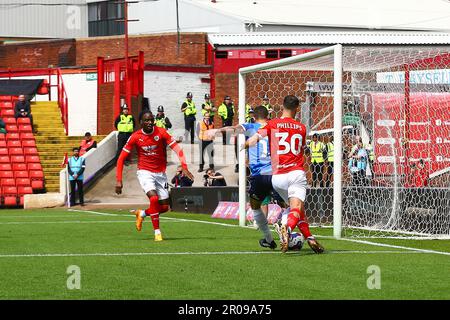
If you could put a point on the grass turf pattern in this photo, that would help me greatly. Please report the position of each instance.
(201, 258)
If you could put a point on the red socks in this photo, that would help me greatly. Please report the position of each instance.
(293, 219)
(153, 211)
(300, 221)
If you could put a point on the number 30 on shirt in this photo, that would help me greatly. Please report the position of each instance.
(285, 146)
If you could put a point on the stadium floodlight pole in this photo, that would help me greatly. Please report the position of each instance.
(336, 51)
(337, 170)
(125, 20)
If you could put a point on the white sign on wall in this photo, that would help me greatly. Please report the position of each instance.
(438, 76)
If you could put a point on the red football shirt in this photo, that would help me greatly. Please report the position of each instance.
(151, 148)
(287, 138)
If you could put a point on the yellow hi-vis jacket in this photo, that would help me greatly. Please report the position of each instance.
(190, 110)
(316, 152)
(125, 124)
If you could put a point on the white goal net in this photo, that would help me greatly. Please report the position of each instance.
(378, 121)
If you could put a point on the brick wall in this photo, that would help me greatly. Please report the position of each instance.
(38, 54)
(105, 118)
(160, 49)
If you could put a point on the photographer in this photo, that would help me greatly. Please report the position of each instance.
(180, 179)
(214, 179)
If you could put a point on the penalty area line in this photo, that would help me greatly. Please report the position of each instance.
(188, 253)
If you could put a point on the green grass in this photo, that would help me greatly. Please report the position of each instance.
(255, 273)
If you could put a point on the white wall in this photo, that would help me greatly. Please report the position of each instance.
(82, 97)
(96, 159)
(169, 89)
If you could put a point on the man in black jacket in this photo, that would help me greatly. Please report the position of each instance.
(22, 109)
(180, 179)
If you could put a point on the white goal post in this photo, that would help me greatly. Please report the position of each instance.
(386, 110)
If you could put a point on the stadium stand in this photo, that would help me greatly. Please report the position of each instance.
(20, 168)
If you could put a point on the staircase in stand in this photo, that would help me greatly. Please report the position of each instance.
(52, 142)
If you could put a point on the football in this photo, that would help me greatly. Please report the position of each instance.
(296, 241)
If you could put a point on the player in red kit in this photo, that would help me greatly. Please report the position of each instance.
(151, 142)
(287, 138)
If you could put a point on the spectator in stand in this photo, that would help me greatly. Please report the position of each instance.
(206, 142)
(125, 124)
(2, 126)
(22, 109)
(226, 112)
(214, 179)
(329, 162)
(180, 179)
(419, 175)
(268, 106)
(358, 164)
(161, 120)
(189, 110)
(317, 150)
(75, 168)
(87, 144)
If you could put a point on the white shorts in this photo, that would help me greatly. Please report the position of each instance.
(290, 185)
(153, 181)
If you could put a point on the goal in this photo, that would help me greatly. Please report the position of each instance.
(386, 110)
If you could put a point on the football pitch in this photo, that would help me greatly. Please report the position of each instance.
(202, 258)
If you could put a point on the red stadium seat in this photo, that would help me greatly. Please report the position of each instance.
(28, 143)
(4, 151)
(24, 182)
(21, 191)
(11, 128)
(32, 159)
(25, 120)
(7, 113)
(17, 159)
(9, 120)
(15, 151)
(21, 174)
(34, 166)
(26, 136)
(2, 136)
(8, 182)
(6, 174)
(2, 143)
(5, 166)
(5, 159)
(10, 201)
(25, 128)
(37, 184)
(6, 105)
(24, 190)
(12, 136)
(36, 175)
(30, 151)
(19, 166)
(10, 196)
(14, 144)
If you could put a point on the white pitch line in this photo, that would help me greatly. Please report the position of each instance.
(397, 247)
(95, 212)
(65, 216)
(65, 222)
(203, 253)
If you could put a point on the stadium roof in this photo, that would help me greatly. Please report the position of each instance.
(417, 15)
(327, 38)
